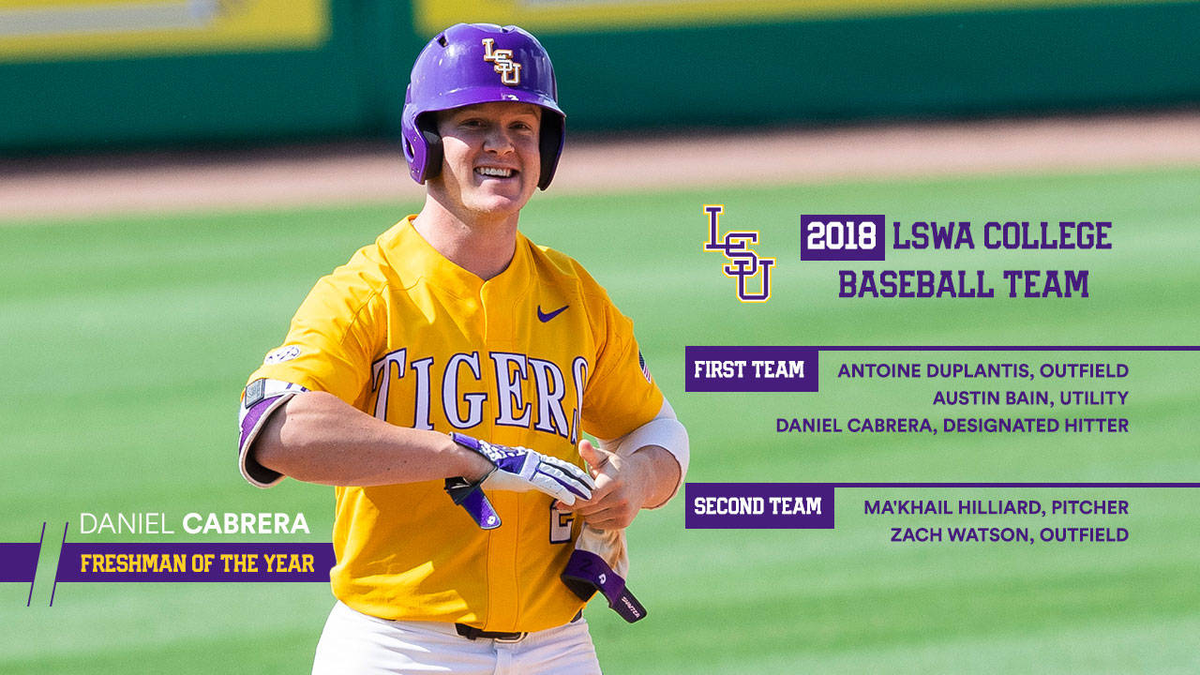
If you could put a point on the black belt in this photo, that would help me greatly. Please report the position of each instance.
(473, 633)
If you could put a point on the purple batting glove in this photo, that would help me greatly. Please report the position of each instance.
(587, 573)
(522, 470)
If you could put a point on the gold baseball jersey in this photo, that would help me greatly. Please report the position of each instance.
(531, 357)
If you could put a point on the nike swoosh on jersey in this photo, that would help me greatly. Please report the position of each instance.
(546, 316)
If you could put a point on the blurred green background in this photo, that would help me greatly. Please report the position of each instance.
(127, 339)
(777, 62)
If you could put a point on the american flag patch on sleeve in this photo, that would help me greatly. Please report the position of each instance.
(645, 369)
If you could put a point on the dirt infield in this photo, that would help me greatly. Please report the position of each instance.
(311, 175)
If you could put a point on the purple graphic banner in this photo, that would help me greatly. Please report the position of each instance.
(758, 506)
(173, 562)
(750, 369)
(18, 562)
(842, 237)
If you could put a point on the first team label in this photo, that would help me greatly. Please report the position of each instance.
(751, 369)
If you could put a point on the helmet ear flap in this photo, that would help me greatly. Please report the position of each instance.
(550, 144)
(427, 127)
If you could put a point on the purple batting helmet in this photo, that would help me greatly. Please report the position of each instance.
(478, 63)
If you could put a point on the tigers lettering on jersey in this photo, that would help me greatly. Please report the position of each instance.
(531, 392)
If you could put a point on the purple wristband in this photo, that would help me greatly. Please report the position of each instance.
(470, 496)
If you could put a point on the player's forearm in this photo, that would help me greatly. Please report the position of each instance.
(662, 473)
(318, 438)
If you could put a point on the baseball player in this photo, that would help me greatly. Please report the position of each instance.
(442, 380)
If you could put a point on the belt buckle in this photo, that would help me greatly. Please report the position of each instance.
(473, 633)
(516, 637)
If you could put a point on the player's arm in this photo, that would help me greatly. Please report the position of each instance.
(642, 469)
(318, 438)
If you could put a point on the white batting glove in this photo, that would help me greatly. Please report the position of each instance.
(522, 470)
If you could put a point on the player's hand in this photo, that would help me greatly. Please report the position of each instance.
(520, 469)
(622, 488)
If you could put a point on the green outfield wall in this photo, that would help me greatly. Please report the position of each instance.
(337, 68)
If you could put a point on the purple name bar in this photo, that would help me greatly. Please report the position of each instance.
(18, 562)
(750, 369)
(195, 562)
(758, 506)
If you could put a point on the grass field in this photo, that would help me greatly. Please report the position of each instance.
(126, 342)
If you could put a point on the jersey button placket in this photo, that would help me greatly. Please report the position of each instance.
(503, 584)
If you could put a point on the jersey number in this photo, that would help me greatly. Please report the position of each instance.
(560, 526)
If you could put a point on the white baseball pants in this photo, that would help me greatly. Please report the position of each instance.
(357, 644)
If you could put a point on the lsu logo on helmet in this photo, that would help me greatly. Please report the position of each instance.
(510, 71)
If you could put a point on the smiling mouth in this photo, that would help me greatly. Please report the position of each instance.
(494, 172)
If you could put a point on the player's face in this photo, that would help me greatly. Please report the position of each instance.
(491, 157)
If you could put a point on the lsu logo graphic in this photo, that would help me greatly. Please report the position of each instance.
(743, 263)
(510, 71)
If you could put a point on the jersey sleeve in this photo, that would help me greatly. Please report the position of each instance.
(333, 338)
(620, 394)
(329, 347)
